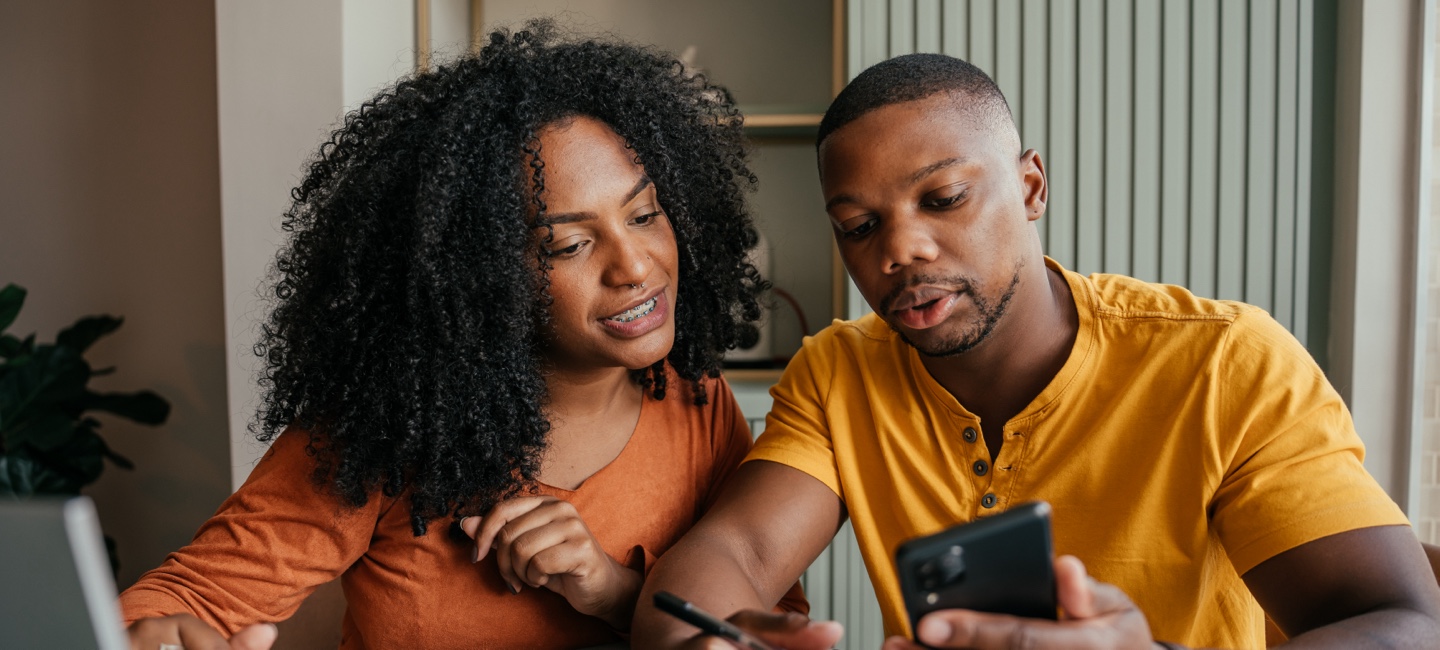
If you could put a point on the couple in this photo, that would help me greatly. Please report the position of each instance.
(494, 358)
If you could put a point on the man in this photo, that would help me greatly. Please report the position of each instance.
(1196, 458)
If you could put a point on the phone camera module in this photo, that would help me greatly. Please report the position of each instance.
(945, 569)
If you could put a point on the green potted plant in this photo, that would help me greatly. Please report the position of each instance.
(49, 444)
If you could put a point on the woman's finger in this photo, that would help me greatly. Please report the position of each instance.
(498, 517)
(551, 524)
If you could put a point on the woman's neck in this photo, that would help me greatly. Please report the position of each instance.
(592, 417)
(583, 396)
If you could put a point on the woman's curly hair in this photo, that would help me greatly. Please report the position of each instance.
(408, 312)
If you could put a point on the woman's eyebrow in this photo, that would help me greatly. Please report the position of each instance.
(640, 185)
(575, 217)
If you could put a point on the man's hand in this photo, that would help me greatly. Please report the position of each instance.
(1095, 615)
(790, 631)
(191, 633)
(541, 542)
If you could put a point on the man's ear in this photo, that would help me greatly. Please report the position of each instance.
(1034, 184)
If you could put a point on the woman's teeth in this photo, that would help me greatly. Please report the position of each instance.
(639, 310)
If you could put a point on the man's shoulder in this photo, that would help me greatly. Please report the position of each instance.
(1125, 297)
(867, 335)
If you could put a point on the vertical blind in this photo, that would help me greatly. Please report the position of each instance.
(1177, 133)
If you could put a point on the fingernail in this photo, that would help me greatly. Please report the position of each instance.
(513, 588)
(474, 554)
(935, 630)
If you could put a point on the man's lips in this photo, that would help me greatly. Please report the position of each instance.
(928, 314)
(918, 297)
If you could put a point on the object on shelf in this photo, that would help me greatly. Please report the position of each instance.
(760, 258)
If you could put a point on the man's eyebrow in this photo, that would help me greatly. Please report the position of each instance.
(935, 167)
(838, 199)
(576, 217)
(914, 178)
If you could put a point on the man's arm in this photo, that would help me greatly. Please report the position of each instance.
(1370, 587)
(1366, 588)
(771, 522)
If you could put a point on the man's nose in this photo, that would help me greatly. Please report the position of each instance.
(907, 242)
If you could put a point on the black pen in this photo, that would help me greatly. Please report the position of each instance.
(679, 608)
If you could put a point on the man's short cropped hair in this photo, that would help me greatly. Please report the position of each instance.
(911, 77)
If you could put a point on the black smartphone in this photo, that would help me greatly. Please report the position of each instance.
(708, 623)
(1002, 564)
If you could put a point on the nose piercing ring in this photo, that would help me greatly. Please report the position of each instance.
(638, 286)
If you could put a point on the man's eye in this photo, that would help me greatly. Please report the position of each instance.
(946, 201)
(860, 230)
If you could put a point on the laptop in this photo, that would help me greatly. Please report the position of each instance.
(56, 589)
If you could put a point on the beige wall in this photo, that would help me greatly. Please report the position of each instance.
(109, 202)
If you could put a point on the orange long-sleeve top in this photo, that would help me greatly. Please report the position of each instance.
(279, 537)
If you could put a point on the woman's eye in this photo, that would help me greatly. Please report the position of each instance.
(647, 219)
(565, 252)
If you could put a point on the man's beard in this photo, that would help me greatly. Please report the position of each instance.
(989, 314)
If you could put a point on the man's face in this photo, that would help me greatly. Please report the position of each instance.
(932, 209)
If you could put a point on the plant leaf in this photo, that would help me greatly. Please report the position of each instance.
(144, 407)
(11, 299)
(51, 378)
(10, 347)
(80, 460)
(45, 432)
(22, 476)
(85, 331)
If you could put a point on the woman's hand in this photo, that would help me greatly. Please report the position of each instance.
(541, 542)
(190, 633)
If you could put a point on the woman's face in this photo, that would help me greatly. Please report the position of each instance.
(614, 262)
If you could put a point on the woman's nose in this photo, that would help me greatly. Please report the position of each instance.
(631, 263)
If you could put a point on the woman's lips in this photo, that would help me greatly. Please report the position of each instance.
(641, 322)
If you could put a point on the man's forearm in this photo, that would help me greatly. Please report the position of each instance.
(707, 570)
(1385, 628)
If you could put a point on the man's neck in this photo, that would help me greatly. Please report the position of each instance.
(1000, 377)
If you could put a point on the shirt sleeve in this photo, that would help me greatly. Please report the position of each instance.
(730, 438)
(1294, 470)
(264, 551)
(797, 431)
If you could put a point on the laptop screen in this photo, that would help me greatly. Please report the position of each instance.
(56, 590)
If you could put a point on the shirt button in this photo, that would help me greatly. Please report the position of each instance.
(980, 467)
(988, 500)
(970, 434)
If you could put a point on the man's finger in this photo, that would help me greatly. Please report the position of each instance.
(1073, 588)
(959, 628)
(260, 636)
(900, 643)
(196, 635)
(790, 630)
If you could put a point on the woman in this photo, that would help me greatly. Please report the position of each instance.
(499, 316)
